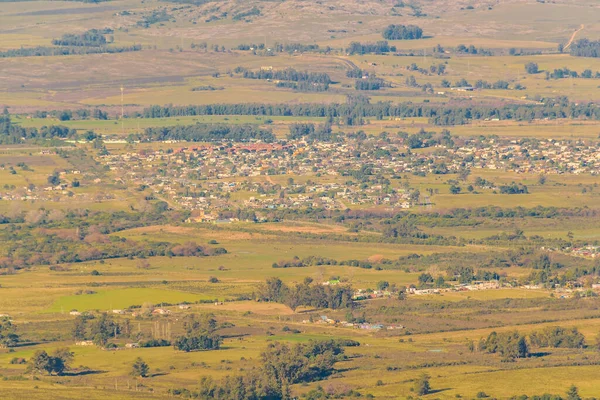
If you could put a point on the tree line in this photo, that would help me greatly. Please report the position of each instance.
(357, 109)
(568, 73)
(585, 48)
(379, 47)
(15, 134)
(207, 133)
(46, 51)
(288, 74)
(68, 115)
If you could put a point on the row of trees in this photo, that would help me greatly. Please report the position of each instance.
(45, 51)
(481, 84)
(463, 49)
(288, 74)
(286, 47)
(568, 73)
(67, 115)
(208, 133)
(306, 294)
(585, 48)
(357, 108)
(304, 86)
(14, 134)
(379, 47)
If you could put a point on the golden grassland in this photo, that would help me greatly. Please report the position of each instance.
(39, 299)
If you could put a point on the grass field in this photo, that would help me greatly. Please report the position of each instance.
(121, 202)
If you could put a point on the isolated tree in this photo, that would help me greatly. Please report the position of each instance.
(139, 368)
(532, 68)
(54, 179)
(522, 348)
(573, 393)
(422, 386)
(455, 189)
(382, 285)
(8, 336)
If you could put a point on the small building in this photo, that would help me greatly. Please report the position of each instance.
(132, 345)
(84, 343)
(463, 88)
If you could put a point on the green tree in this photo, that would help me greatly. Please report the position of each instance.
(199, 334)
(79, 328)
(139, 368)
(455, 189)
(422, 386)
(103, 328)
(39, 362)
(382, 285)
(573, 393)
(532, 68)
(42, 362)
(62, 358)
(54, 179)
(8, 335)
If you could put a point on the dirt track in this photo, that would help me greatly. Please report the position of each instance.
(573, 36)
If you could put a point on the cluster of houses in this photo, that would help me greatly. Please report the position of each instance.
(532, 156)
(349, 172)
(325, 320)
(588, 251)
(212, 176)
